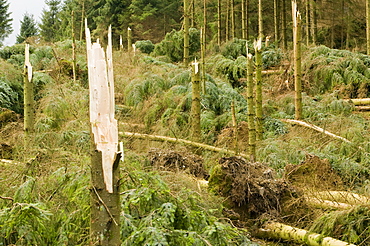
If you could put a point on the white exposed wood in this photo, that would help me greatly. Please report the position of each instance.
(27, 62)
(359, 101)
(101, 87)
(342, 196)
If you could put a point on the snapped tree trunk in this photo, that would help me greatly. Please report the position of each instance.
(104, 191)
(74, 63)
(29, 103)
(186, 33)
(195, 103)
(251, 109)
(259, 115)
(297, 39)
(129, 40)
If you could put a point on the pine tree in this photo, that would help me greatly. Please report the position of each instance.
(5, 20)
(28, 28)
(50, 26)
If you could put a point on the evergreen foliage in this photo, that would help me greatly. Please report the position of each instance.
(28, 28)
(5, 20)
(172, 45)
(50, 21)
(145, 46)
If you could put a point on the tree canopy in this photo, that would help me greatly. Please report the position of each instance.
(28, 28)
(5, 20)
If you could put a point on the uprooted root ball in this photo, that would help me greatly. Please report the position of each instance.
(177, 161)
(250, 186)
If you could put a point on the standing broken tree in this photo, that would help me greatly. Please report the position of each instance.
(105, 205)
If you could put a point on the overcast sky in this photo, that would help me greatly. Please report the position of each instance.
(18, 9)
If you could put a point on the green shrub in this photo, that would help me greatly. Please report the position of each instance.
(173, 45)
(145, 46)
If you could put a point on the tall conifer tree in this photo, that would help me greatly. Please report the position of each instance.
(5, 20)
(28, 28)
(50, 21)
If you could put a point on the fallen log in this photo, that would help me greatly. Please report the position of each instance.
(316, 128)
(275, 230)
(362, 108)
(321, 203)
(342, 197)
(359, 101)
(183, 141)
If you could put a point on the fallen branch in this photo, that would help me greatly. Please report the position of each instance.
(316, 128)
(177, 140)
(7, 198)
(280, 231)
(321, 203)
(362, 108)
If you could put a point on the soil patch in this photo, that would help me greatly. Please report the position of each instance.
(176, 161)
(314, 173)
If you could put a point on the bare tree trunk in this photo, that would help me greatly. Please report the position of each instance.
(260, 20)
(232, 19)
(195, 103)
(219, 23)
(192, 13)
(259, 114)
(186, 33)
(235, 127)
(227, 25)
(129, 40)
(314, 21)
(284, 25)
(82, 19)
(74, 63)
(244, 20)
(277, 20)
(104, 193)
(308, 23)
(297, 39)
(368, 27)
(203, 59)
(29, 103)
(251, 109)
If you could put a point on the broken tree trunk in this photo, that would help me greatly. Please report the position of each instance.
(251, 109)
(104, 193)
(342, 197)
(195, 103)
(129, 40)
(29, 103)
(258, 98)
(281, 231)
(297, 39)
(183, 141)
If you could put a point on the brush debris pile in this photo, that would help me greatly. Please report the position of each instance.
(176, 161)
(250, 186)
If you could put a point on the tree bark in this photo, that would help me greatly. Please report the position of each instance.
(277, 20)
(284, 25)
(74, 62)
(29, 102)
(314, 21)
(251, 109)
(260, 20)
(104, 192)
(186, 33)
(129, 40)
(195, 103)
(232, 19)
(244, 20)
(280, 231)
(259, 115)
(308, 23)
(297, 39)
(219, 28)
(368, 27)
